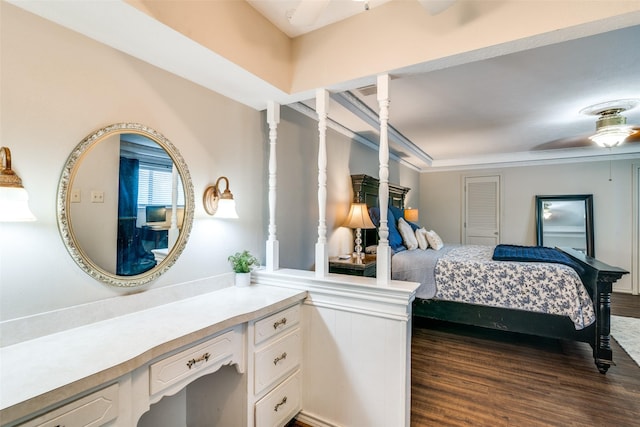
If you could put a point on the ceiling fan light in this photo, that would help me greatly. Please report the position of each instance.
(611, 136)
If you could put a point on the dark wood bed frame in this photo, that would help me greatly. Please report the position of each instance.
(598, 280)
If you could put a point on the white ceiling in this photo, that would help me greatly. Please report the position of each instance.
(504, 109)
(279, 12)
(479, 114)
(518, 103)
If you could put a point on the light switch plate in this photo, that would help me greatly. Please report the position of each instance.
(97, 196)
(75, 196)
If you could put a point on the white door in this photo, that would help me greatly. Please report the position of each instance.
(482, 210)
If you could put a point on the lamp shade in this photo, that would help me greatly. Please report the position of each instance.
(411, 214)
(226, 209)
(14, 199)
(14, 205)
(611, 136)
(358, 217)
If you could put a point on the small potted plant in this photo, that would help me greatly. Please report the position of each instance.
(242, 263)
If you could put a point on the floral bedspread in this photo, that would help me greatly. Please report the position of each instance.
(468, 274)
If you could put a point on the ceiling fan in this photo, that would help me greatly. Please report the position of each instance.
(611, 127)
(308, 11)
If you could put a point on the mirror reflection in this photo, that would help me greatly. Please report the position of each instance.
(129, 177)
(125, 202)
(565, 221)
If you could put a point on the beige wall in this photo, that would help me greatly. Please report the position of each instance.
(442, 201)
(58, 87)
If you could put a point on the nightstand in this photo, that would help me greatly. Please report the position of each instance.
(366, 267)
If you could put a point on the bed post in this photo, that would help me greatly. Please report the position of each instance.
(601, 278)
(602, 340)
(273, 249)
(383, 261)
(322, 256)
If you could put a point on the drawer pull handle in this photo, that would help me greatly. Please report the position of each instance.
(278, 405)
(282, 322)
(279, 358)
(204, 357)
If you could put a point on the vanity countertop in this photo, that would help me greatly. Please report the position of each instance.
(43, 371)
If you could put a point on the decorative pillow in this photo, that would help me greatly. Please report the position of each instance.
(397, 212)
(408, 235)
(421, 237)
(374, 214)
(413, 225)
(395, 239)
(434, 240)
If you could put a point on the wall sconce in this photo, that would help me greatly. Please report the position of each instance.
(14, 198)
(358, 218)
(411, 214)
(220, 205)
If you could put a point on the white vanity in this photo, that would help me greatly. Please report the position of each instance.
(333, 351)
(112, 371)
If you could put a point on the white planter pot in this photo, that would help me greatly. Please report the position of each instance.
(243, 279)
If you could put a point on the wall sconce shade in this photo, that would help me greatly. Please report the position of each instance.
(358, 218)
(14, 198)
(411, 214)
(219, 204)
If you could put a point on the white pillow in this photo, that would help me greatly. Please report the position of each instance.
(421, 237)
(434, 240)
(407, 234)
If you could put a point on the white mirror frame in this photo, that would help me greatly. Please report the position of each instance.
(64, 201)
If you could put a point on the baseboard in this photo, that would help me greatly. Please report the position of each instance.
(313, 420)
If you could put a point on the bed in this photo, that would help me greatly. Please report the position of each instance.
(533, 307)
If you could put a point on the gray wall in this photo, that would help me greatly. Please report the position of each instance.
(297, 216)
(442, 201)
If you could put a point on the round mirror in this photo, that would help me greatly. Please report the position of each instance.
(125, 204)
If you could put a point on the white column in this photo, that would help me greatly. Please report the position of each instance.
(273, 250)
(322, 256)
(383, 261)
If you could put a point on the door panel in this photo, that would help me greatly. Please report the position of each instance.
(482, 210)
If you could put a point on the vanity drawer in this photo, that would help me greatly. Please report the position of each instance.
(276, 360)
(281, 404)
(276, 323)
(94, 409)
(195, 361)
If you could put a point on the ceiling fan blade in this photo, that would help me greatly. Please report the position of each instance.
(635, 137)
(564, 143)
(581, 141)
(434, 7)
(308, 12)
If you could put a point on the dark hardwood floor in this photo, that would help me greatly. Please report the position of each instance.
(625, 305)
(466, 376)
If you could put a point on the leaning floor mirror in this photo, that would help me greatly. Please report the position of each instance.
(566, 221)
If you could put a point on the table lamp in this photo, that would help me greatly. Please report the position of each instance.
(358, 218)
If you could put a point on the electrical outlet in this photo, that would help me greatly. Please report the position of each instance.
(97, 196)
(75, 196)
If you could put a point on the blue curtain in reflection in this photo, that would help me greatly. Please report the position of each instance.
(132, 258)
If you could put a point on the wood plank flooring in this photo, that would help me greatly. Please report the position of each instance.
(625, 305)
(466, 376)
